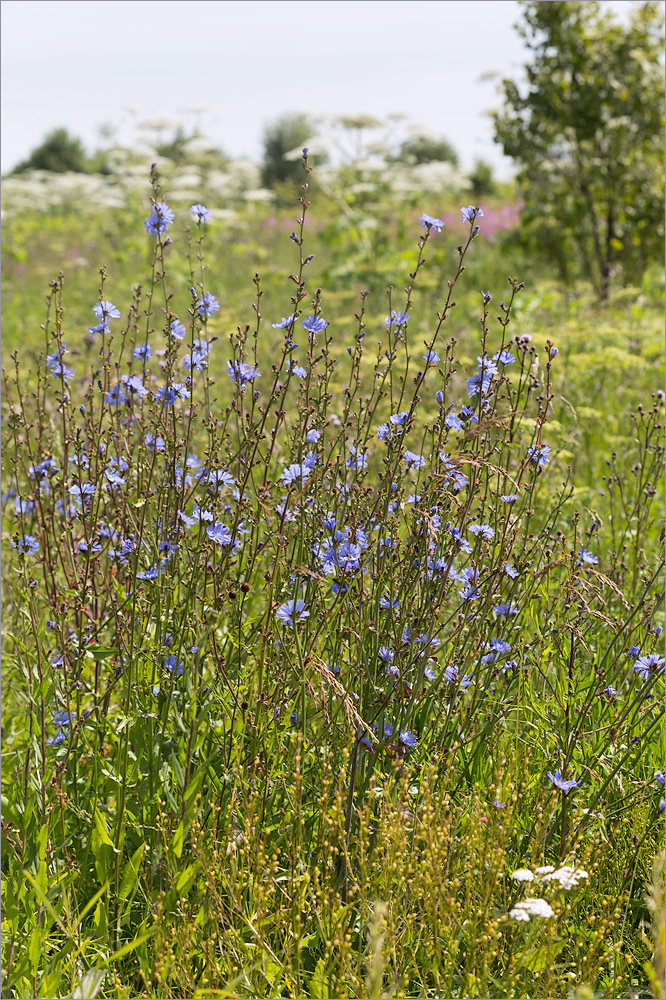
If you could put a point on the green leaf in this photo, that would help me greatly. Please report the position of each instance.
(101, 652)
(131, 945)
(177, 843)
(185, 879)
(131, 872)
(89, 905)
(35, 949)
(318, 983)
(102, 829)
(89, 985)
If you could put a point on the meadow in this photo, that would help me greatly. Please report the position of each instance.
(332, 603)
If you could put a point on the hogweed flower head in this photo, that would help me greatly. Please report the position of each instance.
(532, 908)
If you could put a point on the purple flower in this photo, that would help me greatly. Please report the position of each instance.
(207, 305)
(429, 222)
(220, 477)
(143, 351)
(431, 358)
(559, 781)
(22, 506)
(197, 360)
(114, 478)
(483, 530)
(159, 444)
(454, 422)
(220, 534)
(505, 609)
(159, 219)
(82, 491)
(357, 459)
(471, 213)
(509, 497)
(297, 370)
(312, 436)
(59, 370)
(314, 324)
(389, 604)
(106, 310)
(285, 322)
(396, 318)
(200, 213)
(168, 394)
(407, 738)
(242, 372)
(414, 461)
(174, 665)
(587, 557)
(62, 720)
(27, 545)
(539, 454)
(480, 383)
(291, 610)
(177, 330)
(510, 571)
(644, 664)
(399, 419)
(149, 574)
(100, 328)
(504, 357)
(134, 384)
(295, 473)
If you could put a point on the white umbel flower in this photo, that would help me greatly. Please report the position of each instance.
(522, 875)
(567, 876)
(532, 908)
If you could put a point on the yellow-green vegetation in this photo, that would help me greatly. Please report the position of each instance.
(333, 613)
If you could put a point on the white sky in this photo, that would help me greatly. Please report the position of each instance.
(80, 63)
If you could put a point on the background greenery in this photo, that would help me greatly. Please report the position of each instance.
(240, 873)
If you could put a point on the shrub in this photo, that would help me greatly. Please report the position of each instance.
(283, 136)
(59, 152)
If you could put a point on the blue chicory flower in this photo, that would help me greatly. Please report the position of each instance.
(201, 213)
(159, 219)
(430, 222)
(559, 782)
(292, 610)
(314, 324)
(471, 213)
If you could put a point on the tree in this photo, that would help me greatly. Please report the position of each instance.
(283, 136)
(481, 180)
(587, 133)
(59, 153)
(428, 149)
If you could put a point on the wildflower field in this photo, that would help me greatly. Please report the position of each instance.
(332, 591)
